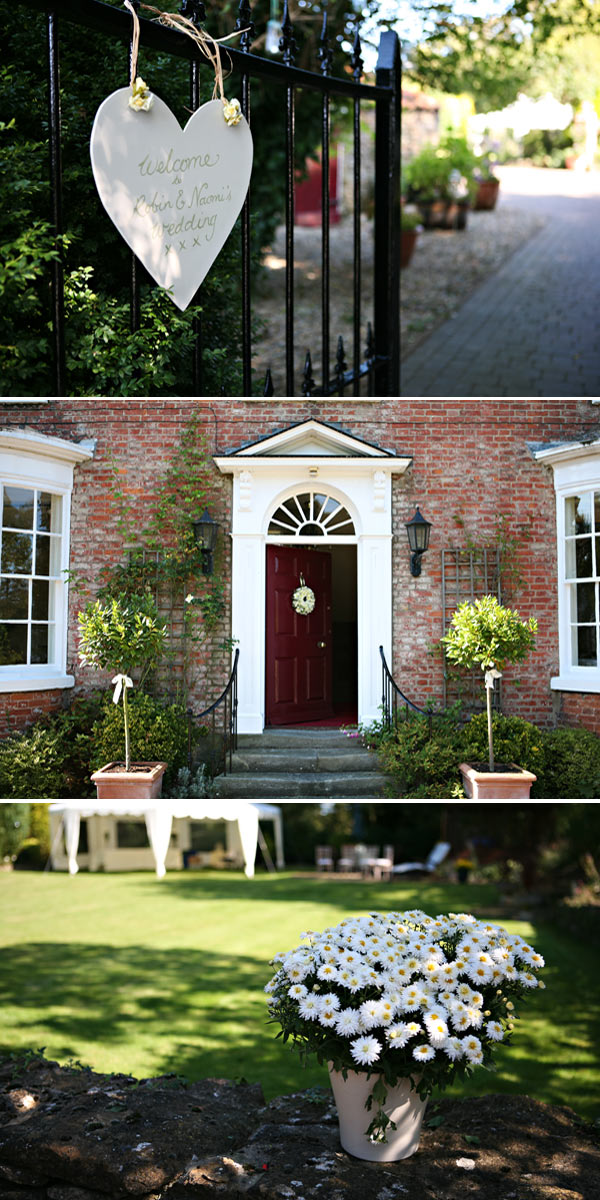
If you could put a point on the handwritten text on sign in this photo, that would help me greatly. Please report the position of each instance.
(173, 194)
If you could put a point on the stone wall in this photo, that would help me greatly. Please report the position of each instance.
(76, 1135)
(420, 123)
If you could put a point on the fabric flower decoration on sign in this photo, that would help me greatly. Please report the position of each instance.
(141, 99)
(232, 112)
(303, 599)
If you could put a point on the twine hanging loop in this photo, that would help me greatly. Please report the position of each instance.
(141, 98)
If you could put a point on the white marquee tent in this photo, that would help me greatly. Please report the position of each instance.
(159, 816)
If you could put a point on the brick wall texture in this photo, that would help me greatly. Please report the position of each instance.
(471, 467)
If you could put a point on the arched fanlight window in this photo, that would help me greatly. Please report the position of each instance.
(311, 514)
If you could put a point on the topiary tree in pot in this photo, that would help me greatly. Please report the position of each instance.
(486, 634)
(124, 635)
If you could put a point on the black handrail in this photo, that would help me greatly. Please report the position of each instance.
(392, 697)
(228, 700)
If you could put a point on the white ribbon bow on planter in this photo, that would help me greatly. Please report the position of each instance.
(121, 681)
(490, 676)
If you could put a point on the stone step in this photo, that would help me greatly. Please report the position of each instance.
(285, 738)
(351, 785)
(304, 758)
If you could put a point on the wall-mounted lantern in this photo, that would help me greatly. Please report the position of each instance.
(205, 536)
(418, 530)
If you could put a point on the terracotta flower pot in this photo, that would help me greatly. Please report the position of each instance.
(487, 194)
(403, 1106)
(513, 784)
(142, 782)
(445, 214)
(408, 241)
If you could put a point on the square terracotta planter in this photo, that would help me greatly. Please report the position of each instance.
(143, 782)
(497, 785)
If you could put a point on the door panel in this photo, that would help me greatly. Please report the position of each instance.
(298, 668)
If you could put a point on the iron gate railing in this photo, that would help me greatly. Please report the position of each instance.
(220, 722)
(393, 700)
(380, 362)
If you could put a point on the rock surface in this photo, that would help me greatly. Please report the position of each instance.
(76, 1135)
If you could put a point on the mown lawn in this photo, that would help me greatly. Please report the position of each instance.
(126, 973)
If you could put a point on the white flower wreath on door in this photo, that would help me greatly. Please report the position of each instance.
(303, 599)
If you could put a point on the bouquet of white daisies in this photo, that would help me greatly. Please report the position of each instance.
(402, 995)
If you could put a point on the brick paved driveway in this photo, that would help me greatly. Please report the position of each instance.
(533, 327)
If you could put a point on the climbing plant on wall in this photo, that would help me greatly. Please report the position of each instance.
(161, 557)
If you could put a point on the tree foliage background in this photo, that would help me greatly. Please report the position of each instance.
(495, 50)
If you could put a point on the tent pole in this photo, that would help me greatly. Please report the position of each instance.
(50, 859)
(265, 850)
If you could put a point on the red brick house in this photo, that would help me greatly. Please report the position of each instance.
(321, 489)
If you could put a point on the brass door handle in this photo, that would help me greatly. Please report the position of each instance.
(321, 645)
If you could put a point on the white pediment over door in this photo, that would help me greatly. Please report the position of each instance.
(310, 442)
(313, 439)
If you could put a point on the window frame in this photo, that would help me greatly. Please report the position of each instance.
(35, 461)
(576, 471)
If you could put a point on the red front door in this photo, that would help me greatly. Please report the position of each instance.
(298, 672)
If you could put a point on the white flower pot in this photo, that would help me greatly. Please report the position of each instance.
(403, 1106)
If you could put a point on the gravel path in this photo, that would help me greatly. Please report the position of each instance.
(269, 301)
(448, 265)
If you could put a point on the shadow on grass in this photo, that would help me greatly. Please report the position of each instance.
(353, 895)
(197, 1013)
(194, 1013)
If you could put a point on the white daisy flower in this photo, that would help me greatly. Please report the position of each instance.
(423, 1053)
(479, 972)
(472, 1049)
(494, 1031)
(365, 1050)
(453, 1047)
(330, 1001)
(347, 1022)
(370, 1013)
(297, 991)
(327, 1016)
(437, 1030)
(527, 979)
(475, 1016)
(398, 1035)
(355, 982)
(461, 1020)
(308, 1007)
(326, 971)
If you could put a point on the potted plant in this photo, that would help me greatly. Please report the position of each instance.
(124, 634)
(484, 633)
(439, 180)
(398, 1004)
(410, 225)
(488, 185)
(464, 865)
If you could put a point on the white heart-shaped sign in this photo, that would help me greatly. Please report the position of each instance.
(173, 193)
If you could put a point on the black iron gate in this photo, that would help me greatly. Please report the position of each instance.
(374, 366)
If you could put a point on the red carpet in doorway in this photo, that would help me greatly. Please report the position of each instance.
(347, 716)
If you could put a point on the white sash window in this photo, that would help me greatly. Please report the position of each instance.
(577, 483)
(36, 480)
